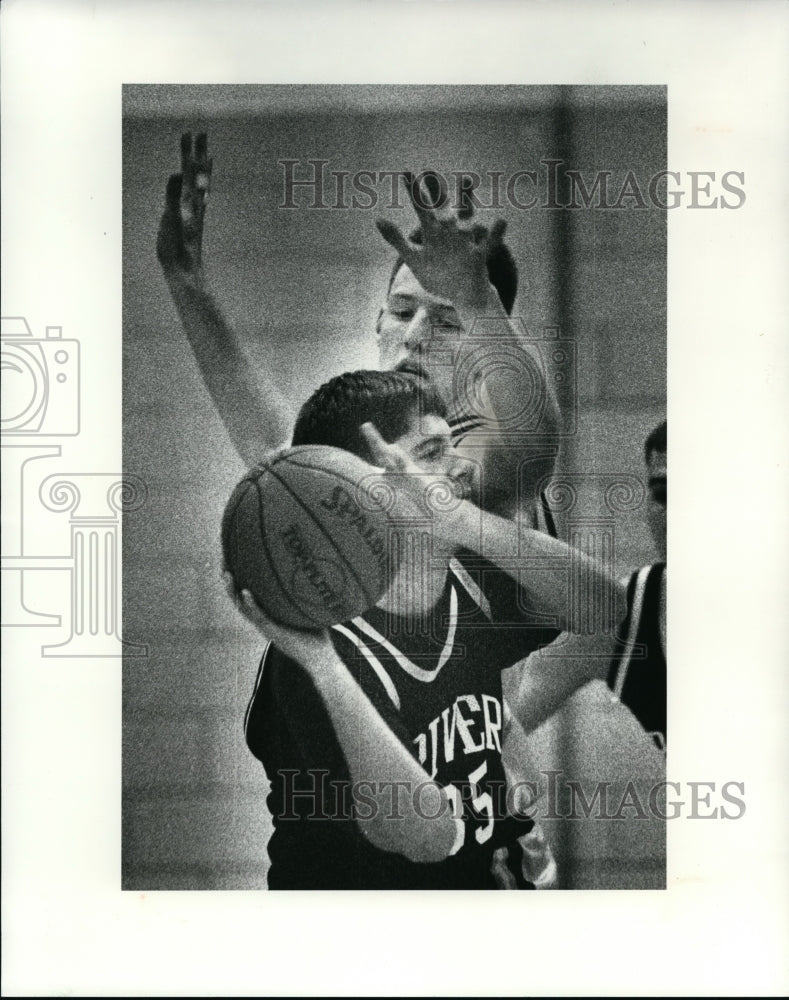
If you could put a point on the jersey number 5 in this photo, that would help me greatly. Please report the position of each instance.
(481, 804)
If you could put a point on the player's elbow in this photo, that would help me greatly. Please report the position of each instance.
(422, 835)
(434, 842)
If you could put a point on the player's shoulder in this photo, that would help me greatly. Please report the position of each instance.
(284, 699)
(504, 603)
(278, 677)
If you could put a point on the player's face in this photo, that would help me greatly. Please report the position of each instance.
(418, 585)
(656, 504)
(418, 332)
(428, 442)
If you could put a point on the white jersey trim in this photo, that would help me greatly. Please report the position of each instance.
(636, 611)
(418, 673)
(374, 662)
(258, 679)
(471, 587)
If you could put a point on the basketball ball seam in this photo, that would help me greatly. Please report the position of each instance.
(333, 472)
(343, 560)
(272, 563)
(338, 475)
(231, 519)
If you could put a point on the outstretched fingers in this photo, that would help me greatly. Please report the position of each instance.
(425, 197)
(196, 173)
(202, 165)
(179, 240)
(388, 456)
(497, 231)
(465, 208)
(186, 152)
(172, 196)
(394, 237)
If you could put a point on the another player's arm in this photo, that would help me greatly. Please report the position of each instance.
(502, 541)
(374, 755)
(522, 772)
(512, 367)
(545, 681)
(249, 403)
(539, 686)
(451, 263)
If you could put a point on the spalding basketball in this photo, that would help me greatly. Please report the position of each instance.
(306, 537)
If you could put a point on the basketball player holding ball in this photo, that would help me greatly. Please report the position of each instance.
(382, 736)
(437, 291)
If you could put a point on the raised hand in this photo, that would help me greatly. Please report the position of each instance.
(180, 239)
(450, 262)
(417, 492)
(391, 457)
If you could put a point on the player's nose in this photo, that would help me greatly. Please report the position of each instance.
(418, 330)
(463, 472)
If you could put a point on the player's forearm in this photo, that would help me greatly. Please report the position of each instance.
(396, 796)
(511, 390)
(516, 751)
(237, 391)
(512, 368)
(555, 566)
(539, 686)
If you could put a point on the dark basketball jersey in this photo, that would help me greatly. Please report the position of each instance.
(637, 676)
(438, 687)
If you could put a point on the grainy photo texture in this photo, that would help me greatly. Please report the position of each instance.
(394, 378)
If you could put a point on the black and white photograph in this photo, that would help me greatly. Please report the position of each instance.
(479, 273)
(339, 345)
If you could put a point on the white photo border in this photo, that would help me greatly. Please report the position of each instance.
(722, 925)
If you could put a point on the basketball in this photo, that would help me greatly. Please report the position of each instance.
(304, 536)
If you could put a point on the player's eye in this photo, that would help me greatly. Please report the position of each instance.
(400, 310)
(431, 452)
(440, 449)
(447, 321)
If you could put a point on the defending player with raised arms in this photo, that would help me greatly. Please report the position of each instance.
(450, 280)
(437, 293)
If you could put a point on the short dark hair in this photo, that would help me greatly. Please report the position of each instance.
(656, 441)
(502, 271)
(390, 400)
